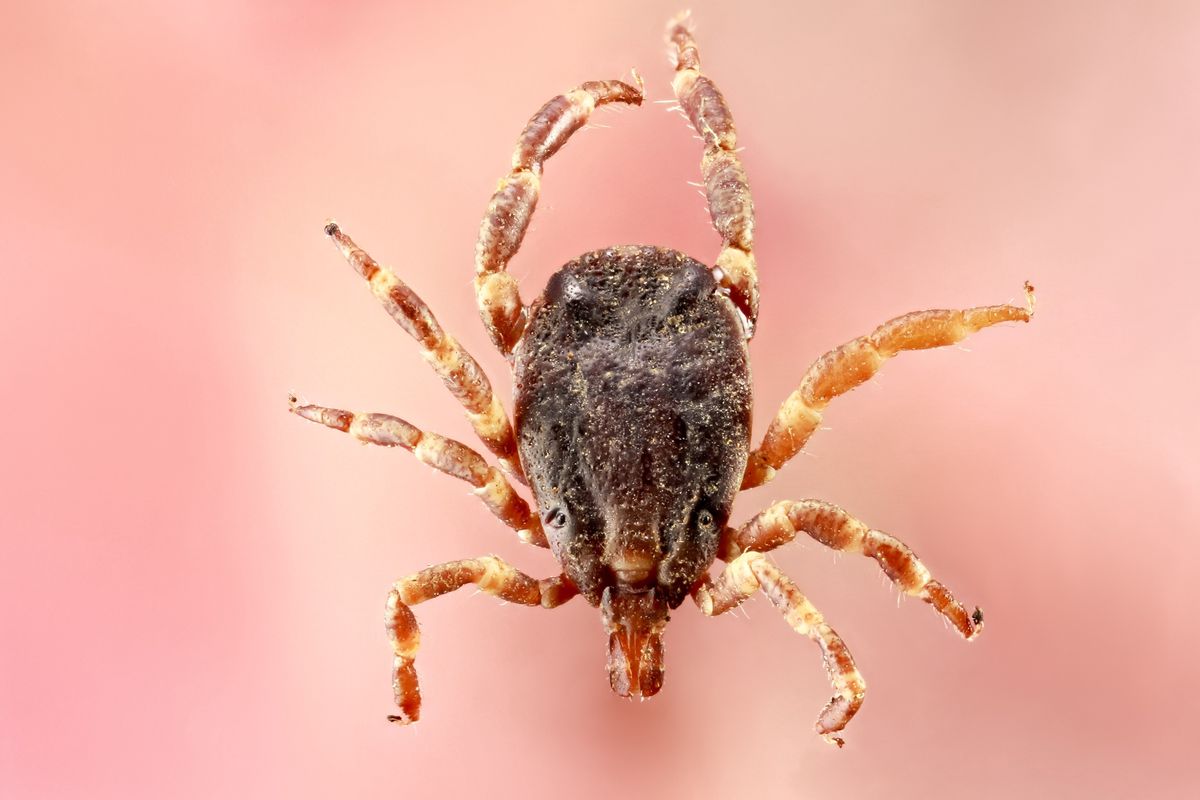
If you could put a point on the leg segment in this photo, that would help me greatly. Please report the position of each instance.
(508, 214)
(752, 571)
(491, 575)
(855, 362)
(834, 528)
(458, 370)
(444, 455)
(725, 183)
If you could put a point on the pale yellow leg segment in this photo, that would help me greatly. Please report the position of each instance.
(725, 184)
(752, 571)
(458, 370)
(444, 455)
(855, 362)
(834, 528)
(491, 575)
(511, 208)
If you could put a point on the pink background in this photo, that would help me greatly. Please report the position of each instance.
(193, 580)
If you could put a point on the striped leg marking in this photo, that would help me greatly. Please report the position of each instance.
(752, 571)
(855, 362)
(511, 208)
(458, 370)
(491, 575)
(444, 455)
(834, 528)
(725, 182)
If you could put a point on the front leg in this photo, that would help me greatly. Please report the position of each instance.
(491, 575)
(855, 362)
(752, 571)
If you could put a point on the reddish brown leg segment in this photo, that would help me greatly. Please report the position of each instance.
(508, 214)
(855, 362)
(752, 571)
(444, 455)
(833, 527)
(725, 183)
(491, 575)
(458, 370)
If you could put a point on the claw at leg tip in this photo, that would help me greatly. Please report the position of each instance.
(977, 619)
(1030, 299)
(331, 227)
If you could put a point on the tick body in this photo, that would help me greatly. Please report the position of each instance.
(633, 423)
(632, 419)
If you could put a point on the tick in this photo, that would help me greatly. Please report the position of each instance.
(631, 425)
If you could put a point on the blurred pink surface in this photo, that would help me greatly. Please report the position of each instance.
(194, 580)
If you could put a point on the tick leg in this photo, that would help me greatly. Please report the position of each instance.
(833, 527)
(444, 455)
(458, 370)
(855, 362)
(491, 575)
(725, 183)
(508, 214)
(752, 571)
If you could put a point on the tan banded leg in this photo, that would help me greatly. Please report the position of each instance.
(834, 528)
(458, 370)
(444, 455)
(725, 182)
(508, 214)
(752, 571)
(855, 362)
(491, 575)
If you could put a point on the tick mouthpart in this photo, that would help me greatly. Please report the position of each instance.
(631, 576)
(632, 569)
(634, 563)
(634, 621)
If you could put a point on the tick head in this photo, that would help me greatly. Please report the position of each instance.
(634, 621)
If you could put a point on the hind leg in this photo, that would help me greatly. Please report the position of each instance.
(725, 183)
(511, 208)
